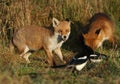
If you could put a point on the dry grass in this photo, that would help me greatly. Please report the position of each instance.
(15, 70)
(16, 13)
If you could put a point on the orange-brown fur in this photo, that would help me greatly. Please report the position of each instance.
(33, 37)
(99, 29)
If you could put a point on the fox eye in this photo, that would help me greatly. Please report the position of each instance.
(60, 31)
(67, 30)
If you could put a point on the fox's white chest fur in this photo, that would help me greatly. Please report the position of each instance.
(54, 43)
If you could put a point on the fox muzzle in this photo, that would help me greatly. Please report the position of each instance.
(62, 38)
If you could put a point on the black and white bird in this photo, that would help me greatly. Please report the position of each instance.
(80, 60)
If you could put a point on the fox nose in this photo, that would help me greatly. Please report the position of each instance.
(64, 37)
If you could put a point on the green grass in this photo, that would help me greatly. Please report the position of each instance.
(16, 13)
(15, 70)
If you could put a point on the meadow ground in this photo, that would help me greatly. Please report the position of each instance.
(16, 13)
(14, 70)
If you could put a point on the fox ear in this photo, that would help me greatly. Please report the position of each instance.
(97, 31)
(55, 22)
(69, 22)
(84, 35)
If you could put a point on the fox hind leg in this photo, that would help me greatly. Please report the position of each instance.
(25, 54)
(25, 50)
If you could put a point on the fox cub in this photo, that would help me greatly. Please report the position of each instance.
(33, 37)
(99, 29)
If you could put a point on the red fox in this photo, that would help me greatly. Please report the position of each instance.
(100, 28)
(34, 37)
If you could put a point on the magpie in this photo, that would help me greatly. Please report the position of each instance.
(80, 59)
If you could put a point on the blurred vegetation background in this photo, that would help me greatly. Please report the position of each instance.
(16, 13)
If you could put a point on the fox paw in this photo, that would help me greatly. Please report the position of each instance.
(64, 62)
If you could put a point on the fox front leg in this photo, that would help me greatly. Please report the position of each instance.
(50, 57)
(59, 53)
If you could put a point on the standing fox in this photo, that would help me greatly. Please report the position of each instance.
(100, 28)
(35, 37)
